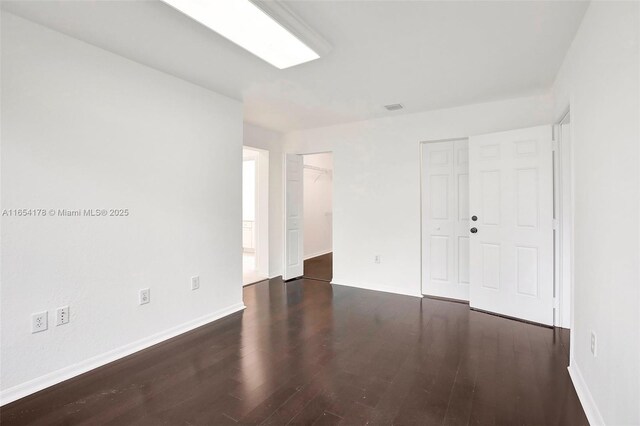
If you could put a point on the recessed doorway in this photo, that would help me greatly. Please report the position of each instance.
(318, 216)
(308, 242)
(255, 211)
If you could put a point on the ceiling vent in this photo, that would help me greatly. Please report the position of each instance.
(393, 107)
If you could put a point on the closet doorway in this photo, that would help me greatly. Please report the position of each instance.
(308, 241)
(318, 216)
(488, 222)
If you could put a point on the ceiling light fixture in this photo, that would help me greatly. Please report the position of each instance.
(250, 27)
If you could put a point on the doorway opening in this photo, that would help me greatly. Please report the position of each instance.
(318, 216)
(255, 215)
(308, 216)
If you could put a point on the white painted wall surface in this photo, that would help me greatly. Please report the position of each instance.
(376, 184)
(600, 82)
(318, 208)
(269, 140)
(85, 129)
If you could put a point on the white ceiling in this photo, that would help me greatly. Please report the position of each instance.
(423, 54)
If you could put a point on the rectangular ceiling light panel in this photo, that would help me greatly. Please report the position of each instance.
(245, 24)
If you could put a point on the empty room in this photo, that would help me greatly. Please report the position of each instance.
(316, 212)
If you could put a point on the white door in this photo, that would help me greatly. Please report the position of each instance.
(511, 256)
(445, 219)
(293, 242)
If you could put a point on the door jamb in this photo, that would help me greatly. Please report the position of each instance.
(563, 219)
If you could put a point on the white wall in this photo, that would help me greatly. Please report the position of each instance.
(269, 140)
(600, 82)
(85, 129)
(317, 204)
(376, 184)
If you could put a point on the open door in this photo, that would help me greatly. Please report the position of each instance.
(511, 228)
(293, 206)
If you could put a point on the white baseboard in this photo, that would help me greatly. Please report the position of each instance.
(444, 295)
(20, 391)
(375, 287)
(320, 253)
(584, 395)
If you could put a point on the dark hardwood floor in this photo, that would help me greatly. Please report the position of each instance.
(306, 352)
(319, 268)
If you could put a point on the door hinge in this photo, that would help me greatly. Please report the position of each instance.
(556, 303)
(555, 223)
(554, 145)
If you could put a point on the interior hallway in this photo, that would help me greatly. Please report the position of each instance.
(319, 267)
(306, 352)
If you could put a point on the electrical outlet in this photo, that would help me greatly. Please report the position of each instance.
(376, 259)
(195, 283)
(39, 321)
(594, 348)
(62, 315)
(145, 296)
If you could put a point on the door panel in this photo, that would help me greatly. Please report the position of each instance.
(445, 220)
(293, 241)
(463, 196)
(463, 260)
(439, 258)
(511, 193)
(439, 189)
(527, 275)
(489, 211)
(490, 266)
(527, 198)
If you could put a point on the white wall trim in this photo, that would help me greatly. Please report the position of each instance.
(27, 388)
(584, 395)
(375, 287)
(320, 253)
(563, 213)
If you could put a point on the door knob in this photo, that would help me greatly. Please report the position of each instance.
(474, 218)
(474, 230)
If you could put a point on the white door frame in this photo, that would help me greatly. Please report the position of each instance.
(422, 172)
(563, 216)
(261, 231)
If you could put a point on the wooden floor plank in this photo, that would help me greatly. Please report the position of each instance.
(306, 352)
(319, 267)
